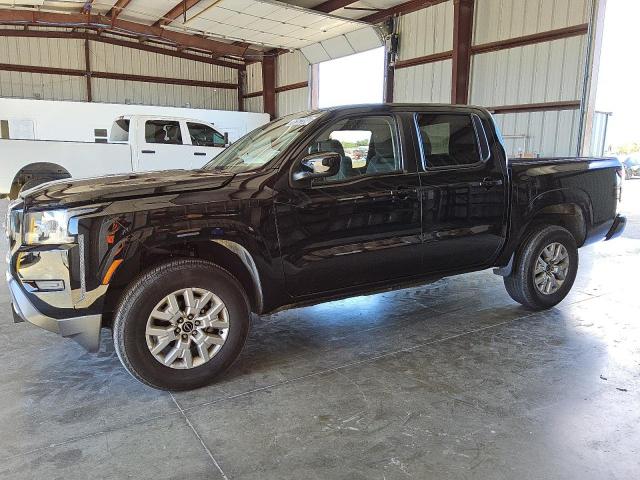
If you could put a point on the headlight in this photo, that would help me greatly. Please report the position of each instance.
(48, 227)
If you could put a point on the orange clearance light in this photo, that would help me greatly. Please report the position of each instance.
(112, 269)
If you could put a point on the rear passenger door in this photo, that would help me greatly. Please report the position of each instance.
(361, 226)
(203, 143)
(463, 191)
(161, 146)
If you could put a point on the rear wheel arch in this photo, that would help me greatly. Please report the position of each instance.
(569, 208)
(571, 216)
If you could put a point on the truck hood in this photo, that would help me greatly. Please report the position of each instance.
(86, 191)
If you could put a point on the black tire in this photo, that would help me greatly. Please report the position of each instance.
(151, 287)
(520, 283)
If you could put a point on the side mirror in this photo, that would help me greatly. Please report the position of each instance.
(318, 165)
(226, 139)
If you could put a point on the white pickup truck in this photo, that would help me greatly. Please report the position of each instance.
(136, 143)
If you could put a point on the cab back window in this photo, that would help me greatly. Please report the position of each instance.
(448, 140)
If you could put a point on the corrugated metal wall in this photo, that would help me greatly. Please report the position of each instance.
(254, 78)
(291, 68)
(540, 73)
(69, 53)
(428, 83)
(425, 32)
(253, 83)
(254, 104)
(113, 58)
(503, 19)
(44, 52)
(545, 134)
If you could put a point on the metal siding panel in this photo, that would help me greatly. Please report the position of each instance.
(504, 19)
(291, 68)
(426, 31)
(428, 83)
(544, 72)
(114, 58)
(292, 101)
(120, 91)
(254, 104)
(545, 134)
(254, 77)
(69, 53)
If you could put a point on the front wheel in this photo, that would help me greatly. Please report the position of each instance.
(181, 324)
(545, 267)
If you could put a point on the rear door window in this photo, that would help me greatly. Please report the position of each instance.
(448, 140)
(205, 136)
(163, 131)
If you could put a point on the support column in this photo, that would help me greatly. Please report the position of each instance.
(87, 68)
(461, 61)
(590, 85)
(242, 75)
(390, 56)
(314, 86)
(269, 85)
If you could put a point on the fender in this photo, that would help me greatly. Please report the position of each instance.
(525, 211)
(130, 250)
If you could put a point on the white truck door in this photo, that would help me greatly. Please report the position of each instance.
(161, 146)
(205, 142)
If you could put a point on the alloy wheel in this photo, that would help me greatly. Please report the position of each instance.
(187, 328)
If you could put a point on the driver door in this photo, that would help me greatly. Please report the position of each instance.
(359, 227)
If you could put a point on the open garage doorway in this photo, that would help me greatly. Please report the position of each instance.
(354, 79)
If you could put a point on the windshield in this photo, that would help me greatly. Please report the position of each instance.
(263, 144)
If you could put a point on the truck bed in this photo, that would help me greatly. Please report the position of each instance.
(81, 159)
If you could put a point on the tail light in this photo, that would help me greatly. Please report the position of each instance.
(619, 178)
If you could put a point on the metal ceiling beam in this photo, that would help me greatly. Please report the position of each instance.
(101, 22)
(117, 9)
(332, 5)
(175, 12)
(401, 9)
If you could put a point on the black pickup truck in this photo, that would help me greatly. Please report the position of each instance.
(311, 207)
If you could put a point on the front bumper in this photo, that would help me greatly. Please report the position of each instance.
(84, 329)
(619, 223)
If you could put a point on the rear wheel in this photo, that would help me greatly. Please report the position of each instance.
(181, 324)
(544, 269)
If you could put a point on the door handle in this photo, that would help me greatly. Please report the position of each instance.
(200, 153)
(489, 182)
(148, 151)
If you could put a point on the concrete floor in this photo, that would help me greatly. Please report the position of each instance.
(451, 380)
